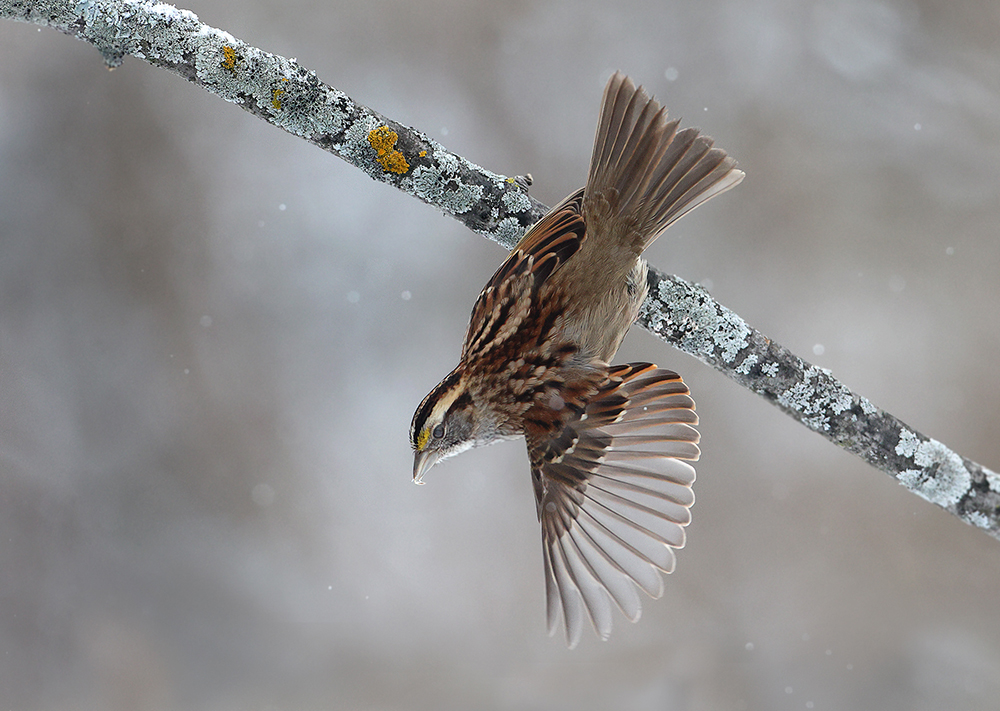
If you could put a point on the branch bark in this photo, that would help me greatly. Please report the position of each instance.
(289, 96)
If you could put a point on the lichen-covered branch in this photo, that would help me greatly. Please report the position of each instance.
(686, 316)
(287, 95)
(291, 97)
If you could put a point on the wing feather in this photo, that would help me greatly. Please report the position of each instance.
(543, 249)
(614, 494)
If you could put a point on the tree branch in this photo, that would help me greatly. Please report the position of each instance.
(288, 96)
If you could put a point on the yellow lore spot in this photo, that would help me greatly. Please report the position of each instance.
(383, 140)
(422, 438)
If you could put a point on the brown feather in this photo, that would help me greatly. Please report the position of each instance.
(612, 503)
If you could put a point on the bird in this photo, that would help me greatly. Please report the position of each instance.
(610, 446)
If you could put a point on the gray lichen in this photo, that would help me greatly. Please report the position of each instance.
(508, 232)
(940, 476)
(355, 147)
(516, 201)
(749, 362)
(442, 185)
(818, 397)
(708, 329)
(770, 369)
(993, 481)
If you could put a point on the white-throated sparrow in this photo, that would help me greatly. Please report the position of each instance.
(609, 446)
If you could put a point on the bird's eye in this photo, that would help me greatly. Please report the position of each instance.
(438, 432)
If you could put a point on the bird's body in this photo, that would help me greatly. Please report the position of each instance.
(608, 444)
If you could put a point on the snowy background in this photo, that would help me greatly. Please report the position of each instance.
(213, 337)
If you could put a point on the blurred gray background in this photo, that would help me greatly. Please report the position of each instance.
(213, 337)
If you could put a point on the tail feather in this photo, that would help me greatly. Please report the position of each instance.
(657, 173)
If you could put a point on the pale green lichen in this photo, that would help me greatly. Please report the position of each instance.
(840, 398)
(727, 332)
(941, 476)
(993, 479)
(978, 519)
(908, 443)
(330, 116)
(355, 147)
(817, 397)
(144, 29)
(749, 362)
(710, 329)
(442, 185)
(515, 201)
(509, 232)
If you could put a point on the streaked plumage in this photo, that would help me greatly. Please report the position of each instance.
(609, 446)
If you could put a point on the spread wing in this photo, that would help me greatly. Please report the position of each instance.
(502, 306)
(613, 489)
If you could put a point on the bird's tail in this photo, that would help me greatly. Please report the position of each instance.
(648, 172)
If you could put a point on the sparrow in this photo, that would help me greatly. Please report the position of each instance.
(610, 446)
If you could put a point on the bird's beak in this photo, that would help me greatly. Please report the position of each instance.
(422, 461)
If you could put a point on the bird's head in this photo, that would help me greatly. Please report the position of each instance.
(444, 425)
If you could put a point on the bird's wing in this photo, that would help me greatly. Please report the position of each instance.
(501, 308)
(613, 489)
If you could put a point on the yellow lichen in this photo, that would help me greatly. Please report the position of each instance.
(383, 140)
(230, 58)
(276, 97)
(423, 153)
